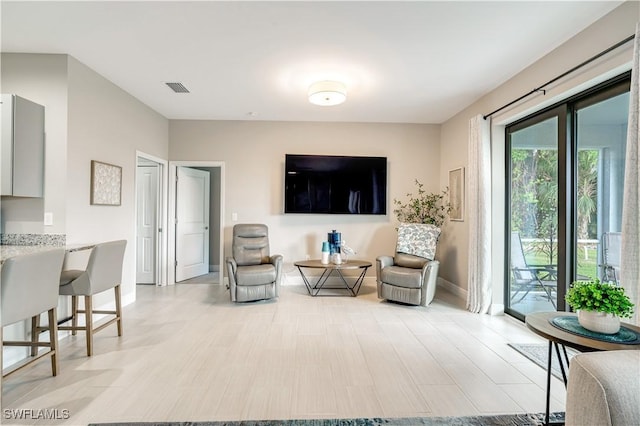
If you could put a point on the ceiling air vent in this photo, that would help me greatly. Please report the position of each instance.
(178, 87)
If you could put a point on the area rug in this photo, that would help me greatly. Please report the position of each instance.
(538, 352)
(498, 420)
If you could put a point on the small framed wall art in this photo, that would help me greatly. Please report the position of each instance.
(456, 194)
(106, 184)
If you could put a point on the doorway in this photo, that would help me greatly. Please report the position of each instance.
(183, 257)
(151, 205)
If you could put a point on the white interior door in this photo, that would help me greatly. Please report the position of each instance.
(192, 223)
(147, 224)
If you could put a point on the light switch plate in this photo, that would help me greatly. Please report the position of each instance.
(48, 219)
(234, 217)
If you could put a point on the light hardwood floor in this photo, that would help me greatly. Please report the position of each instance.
(188, 354)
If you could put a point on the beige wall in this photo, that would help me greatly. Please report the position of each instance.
(109, 125)
(86, 118)
(254, 152)
(616, 26)
(41, 79)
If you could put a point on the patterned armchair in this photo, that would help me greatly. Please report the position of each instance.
(410, 276)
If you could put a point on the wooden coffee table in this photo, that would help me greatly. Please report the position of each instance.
(539, 323)
(329, 269)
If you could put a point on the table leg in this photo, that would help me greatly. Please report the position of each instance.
(320, 282)
(549, 355)
(346, 285)
(564, 376)
(359, 281)
(315, 288)
(562, 363)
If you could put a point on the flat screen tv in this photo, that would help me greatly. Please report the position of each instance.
(335, 184)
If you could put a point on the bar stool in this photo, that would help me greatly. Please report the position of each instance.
(104, 271)
(29, 288)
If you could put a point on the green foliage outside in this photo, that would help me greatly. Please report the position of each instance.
(599, 297)
(534, 201)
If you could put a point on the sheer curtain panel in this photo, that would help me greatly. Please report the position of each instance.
(479, 217)
(630, 259)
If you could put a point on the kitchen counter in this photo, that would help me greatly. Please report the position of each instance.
(7, 251)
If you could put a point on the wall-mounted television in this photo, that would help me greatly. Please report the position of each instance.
(334, 184)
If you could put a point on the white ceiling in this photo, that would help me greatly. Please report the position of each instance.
(410, 62)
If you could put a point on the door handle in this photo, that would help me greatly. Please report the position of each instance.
(206, 227)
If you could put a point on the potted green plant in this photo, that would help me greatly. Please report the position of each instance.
(424, 207)
(599, 305)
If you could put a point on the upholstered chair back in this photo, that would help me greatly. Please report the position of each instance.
(250, 244)
(104, 268)
(30, 284)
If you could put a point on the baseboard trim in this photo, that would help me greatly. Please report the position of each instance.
(496, 309)
(452, 288)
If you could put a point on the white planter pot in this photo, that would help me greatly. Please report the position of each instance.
(599, 322)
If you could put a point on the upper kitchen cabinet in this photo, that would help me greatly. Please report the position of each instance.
(22, 147)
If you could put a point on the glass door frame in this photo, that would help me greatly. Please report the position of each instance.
(565, 112)
(561, 113)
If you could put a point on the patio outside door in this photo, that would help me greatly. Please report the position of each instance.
(565, 175)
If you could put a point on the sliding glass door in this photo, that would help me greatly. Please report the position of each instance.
(565, 173)
(601, 124)
(533, 219)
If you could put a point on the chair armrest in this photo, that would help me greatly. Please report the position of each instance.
(384, 261)
(232, 266)
(540, 270)
(276, 261)
(543, 268)
(429, 281)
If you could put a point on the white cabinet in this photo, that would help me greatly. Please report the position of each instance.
(22, 147)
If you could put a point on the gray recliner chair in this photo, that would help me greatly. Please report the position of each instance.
(253, 273)
(410, 276)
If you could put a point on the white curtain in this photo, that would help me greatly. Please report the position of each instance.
(479, 215)
(630, 259)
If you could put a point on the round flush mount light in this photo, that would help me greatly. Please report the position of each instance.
(327, 93)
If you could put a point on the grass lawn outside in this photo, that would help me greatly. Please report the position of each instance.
(587, 260)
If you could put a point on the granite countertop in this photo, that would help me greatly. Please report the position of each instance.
(7, 251)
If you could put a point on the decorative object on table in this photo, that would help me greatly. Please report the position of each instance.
(346, 251)
(427, 208)
(325, 253)
(106, 184)
(456, 194)
(335, 244)
(599, 305)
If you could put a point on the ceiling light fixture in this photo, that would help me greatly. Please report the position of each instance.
(327, 93)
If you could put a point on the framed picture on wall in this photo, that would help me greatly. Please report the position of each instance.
(456, 194)
(106, 184)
